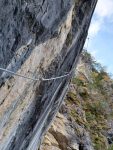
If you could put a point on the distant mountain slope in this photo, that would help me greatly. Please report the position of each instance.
(85, 120)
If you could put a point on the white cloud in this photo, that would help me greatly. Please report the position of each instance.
(93, 53)
(104, 8)
(103, 11)
(95, 27)
(110, 69)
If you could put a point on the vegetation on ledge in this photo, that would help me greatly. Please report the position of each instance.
(90, 102)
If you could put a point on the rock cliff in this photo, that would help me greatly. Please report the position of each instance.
(38, 39)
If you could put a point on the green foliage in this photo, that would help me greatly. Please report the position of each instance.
(87, 57)
(77, 81)
(96, 66)
(83, 93)
(95, 102)
(111, 147)
(90, 116)
(98, 107)
(98, 79)
(71, 96)
(99, 146)
(99, 68)
(112, 86)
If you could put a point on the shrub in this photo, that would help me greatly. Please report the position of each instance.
(77, 81)
(111, 147)
(98, 107)
(90, 116)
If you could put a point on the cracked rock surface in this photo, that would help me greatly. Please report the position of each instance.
(37, 39)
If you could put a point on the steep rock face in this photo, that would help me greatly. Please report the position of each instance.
(37, 39)
(66, 134)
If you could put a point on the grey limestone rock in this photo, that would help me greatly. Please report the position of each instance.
(40, 38)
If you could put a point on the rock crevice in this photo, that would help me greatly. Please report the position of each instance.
(37, 39)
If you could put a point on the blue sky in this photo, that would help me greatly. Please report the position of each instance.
(100, 43)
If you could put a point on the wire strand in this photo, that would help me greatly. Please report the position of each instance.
(36, 79)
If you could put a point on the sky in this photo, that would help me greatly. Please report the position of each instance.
(100, 36)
